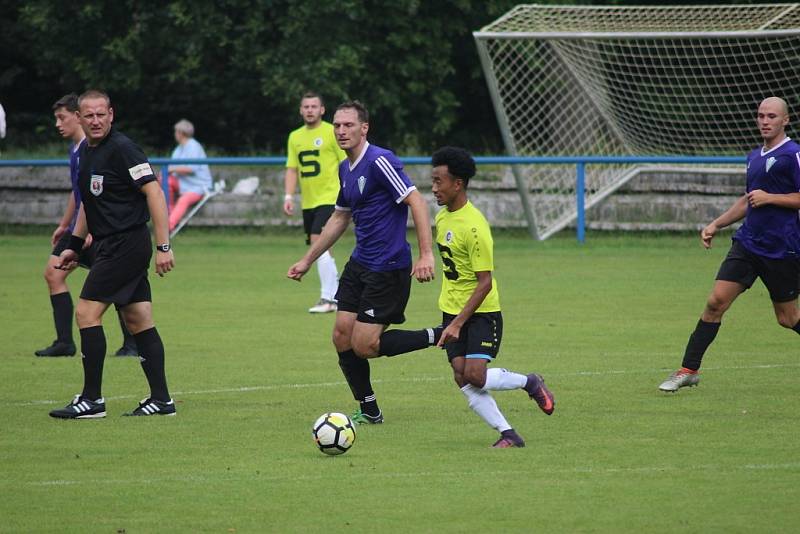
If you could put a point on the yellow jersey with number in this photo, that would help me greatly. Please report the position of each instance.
(316, 156)
(465, 243)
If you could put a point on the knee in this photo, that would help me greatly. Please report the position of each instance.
(788, 320)
(84, 317)
(341, 339)
(366, 348)
(475, 377)
(459, 379)
(53, 276)
(716, 307)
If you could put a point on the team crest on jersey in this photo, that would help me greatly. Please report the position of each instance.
(318, 141)
(96, 184)
(448, 236)
(770, 163)
(361, 183)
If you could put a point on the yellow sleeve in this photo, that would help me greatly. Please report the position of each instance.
(291, 153)
(481, 249)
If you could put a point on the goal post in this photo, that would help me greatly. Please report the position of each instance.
(630, 81)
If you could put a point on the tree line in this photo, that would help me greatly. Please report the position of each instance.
(237, 68)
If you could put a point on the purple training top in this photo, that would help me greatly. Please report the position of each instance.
(373, 190)
(74, 164)
(772, 231)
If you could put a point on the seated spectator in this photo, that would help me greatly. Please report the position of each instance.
(186, 182)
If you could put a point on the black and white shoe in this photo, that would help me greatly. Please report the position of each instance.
(81, 408)
(154, 407)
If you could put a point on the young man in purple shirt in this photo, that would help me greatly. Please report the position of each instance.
(375, 285)
(766, 246)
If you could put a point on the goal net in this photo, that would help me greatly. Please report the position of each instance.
(628, 81)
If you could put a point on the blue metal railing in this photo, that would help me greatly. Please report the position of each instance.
(580, 163)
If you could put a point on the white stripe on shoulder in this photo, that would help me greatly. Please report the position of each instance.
(391, 175)
(404, 195)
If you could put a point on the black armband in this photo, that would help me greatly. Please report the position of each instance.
(76, 243)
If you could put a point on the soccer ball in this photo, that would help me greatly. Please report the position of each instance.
(334, 433)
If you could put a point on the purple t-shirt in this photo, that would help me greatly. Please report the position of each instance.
(772, 231)
(74, 164)
(373, 190)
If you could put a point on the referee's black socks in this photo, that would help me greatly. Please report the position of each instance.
(151, 351)
(62, 316)
(704, 333)
(93, 352)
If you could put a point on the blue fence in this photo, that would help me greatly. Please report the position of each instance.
(580, 163)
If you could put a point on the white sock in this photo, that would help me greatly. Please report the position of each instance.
(483, 404)
(498, 379)
(328, 276)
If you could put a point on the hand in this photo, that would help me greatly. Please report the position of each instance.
(165, 262)
(707, 234)
(297, 270)
(288, 206)
(450, 333)
(88, 242)
(423, 270)
(758, 198)
(57, 233)
(68, 260)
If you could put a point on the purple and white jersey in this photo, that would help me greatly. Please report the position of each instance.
(74, 164)
(373, 190)
(772, 231)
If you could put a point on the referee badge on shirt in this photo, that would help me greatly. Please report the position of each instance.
(770, 163)
(96, 184)
(361, 183)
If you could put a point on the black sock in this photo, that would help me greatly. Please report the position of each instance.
(127, 338)
(62, 316)
(356, 372)
(394, 342)
(93, 352)
(704, 333)
(151, 352)
(796, 327)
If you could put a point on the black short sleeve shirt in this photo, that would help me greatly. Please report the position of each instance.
(110, 178)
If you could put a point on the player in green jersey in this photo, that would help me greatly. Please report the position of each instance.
(313, 156)
(470, 304)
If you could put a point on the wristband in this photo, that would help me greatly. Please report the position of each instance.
(76, 243)
(287, 196)
(163, 247)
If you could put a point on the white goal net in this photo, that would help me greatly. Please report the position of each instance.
(628, 81)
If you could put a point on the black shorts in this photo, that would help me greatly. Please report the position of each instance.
(378, 297)
(119, 272)
(781, 277)
(480, 336)
(314, 219)
(85, 257)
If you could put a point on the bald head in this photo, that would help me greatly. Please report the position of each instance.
(773, 117)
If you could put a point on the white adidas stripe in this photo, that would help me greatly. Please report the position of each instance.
(391, 175)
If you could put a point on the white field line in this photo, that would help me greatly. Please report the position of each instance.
(444, 377)
(445, 475)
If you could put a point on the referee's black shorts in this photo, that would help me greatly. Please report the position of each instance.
(315, 218)
(378, 297)
(119, 273)
(780, 276)
(86, 255)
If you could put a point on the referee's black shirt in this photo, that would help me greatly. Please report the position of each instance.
(110, 178)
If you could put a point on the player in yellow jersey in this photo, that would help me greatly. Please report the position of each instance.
(470, 303)
(313, 156)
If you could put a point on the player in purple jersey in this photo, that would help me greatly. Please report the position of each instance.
(65, 111)
(375, 284)
(766, 246)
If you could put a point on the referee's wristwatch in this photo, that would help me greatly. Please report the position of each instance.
(163, 247)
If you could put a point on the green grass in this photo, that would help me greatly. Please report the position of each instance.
(251, 370)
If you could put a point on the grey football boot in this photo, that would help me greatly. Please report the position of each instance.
(679, 379)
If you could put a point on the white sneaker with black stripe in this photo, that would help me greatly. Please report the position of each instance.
(81, 408)
(154, 407)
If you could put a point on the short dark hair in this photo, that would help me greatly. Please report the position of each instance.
(312, 94)
(459, 162)
(361, 109)
(94, 93)
(70, 102)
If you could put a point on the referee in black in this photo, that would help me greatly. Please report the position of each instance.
(120, 193)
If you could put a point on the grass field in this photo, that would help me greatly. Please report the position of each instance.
(250, 370)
